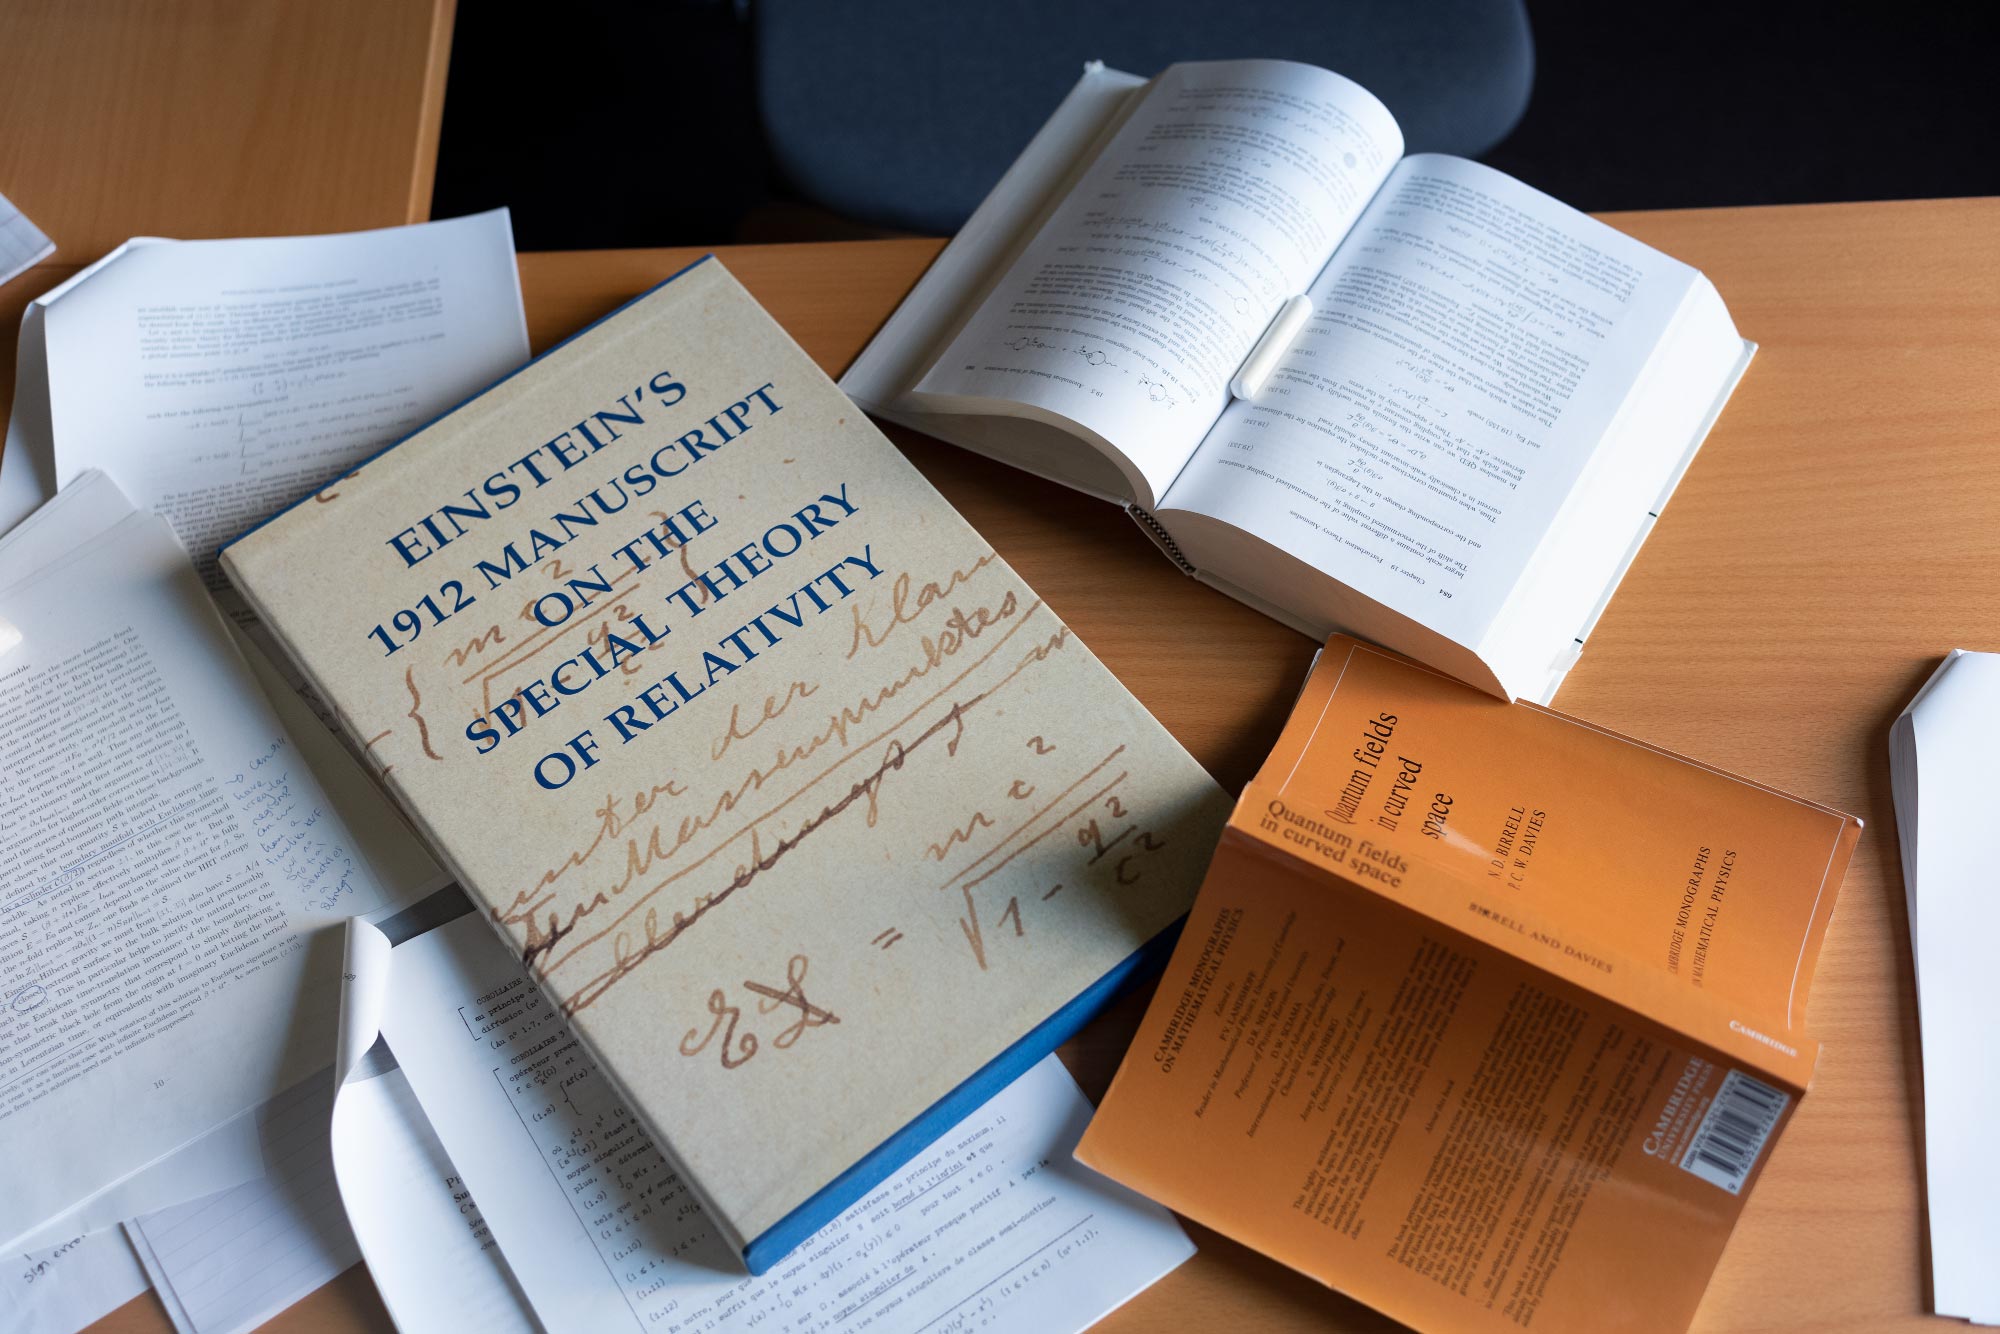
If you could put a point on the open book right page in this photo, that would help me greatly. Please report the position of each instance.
(1216, 201)
(1472, 388)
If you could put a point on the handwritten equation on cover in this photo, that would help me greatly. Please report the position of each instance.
(909, 733)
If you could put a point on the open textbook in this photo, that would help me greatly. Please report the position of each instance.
(1494, 1015)
(993, 1227)
(1409, 398)
(1944, 766)
(762, 761)
(171, 853)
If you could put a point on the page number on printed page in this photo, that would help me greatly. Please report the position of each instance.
(1732, 1135)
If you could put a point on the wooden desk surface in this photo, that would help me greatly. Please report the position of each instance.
(1835, 537)
(196, 118)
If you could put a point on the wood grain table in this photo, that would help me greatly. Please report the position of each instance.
(193, 118)
(1838, 533)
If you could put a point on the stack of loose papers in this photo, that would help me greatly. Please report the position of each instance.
(175, 860)
(1944, 764)
(164, 835)
(993, 1227)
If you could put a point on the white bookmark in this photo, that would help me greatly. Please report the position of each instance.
(1277, 340)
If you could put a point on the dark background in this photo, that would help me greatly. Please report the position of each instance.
(635, 124)
(1703, 104)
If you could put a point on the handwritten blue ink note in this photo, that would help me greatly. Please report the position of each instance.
(293, 837)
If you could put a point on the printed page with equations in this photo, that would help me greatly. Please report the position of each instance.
(995, 1226)
(172, 863)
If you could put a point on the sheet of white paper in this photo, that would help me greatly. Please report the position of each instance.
(87, 509)
(221, 380)
(28, 462)
(22, 244)
(1945, 775)
(61, 1289)
(232, 1261)
(429, 1250)
(218, 381)
(227, 1156)
(994, 1226)
(169, 868)
(229, 1262)
(1904, 785)
(90, 506)
(232, 1154)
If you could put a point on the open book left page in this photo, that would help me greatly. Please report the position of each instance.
(1123, 319)
(813, 819)
(168, 858)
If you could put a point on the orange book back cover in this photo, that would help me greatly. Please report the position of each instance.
(1485, 1016)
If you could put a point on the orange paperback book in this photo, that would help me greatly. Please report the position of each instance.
(1484, 1016)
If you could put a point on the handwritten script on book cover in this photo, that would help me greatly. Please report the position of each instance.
(798, 800)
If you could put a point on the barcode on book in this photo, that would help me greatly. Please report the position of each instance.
(1731, 1136)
